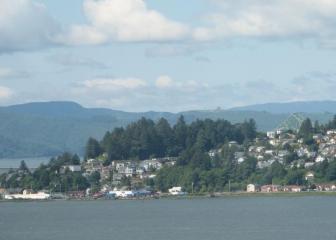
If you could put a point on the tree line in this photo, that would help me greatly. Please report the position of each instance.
(145, 138)
(48, 176)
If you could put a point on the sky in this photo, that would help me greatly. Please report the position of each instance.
(167, 55)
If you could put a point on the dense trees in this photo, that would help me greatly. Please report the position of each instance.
(47, 176)
(306, 129)
(195, 170)
(146, 138)
(92, 149)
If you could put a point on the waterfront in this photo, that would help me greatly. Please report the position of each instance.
(234, 218)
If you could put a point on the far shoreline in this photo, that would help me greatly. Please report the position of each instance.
(189, 197)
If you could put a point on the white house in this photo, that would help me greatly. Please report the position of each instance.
(128, 171)
(252, 188)
(271, 135)
(309, 164)
(331, 132)
(148, 164)
(233, 144)
(319, 159)
(309, 176)
(176, 191)
(279, 131)
(71, 168)
(241, 160)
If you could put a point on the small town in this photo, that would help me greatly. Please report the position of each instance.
(167, 119)
(134, 179)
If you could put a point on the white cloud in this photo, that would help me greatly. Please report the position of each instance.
(164, 82)
(106, 84)
(135, 94)
(270, 19)
(123, 20)
(25, 25)
(5, 93)
(10, 73)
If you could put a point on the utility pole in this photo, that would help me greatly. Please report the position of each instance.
(192, 187)
(229, 185)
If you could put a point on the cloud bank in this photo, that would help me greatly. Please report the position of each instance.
(125, 21)
(25, 25)
(276, 19)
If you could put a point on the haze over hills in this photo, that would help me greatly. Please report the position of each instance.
(50, 128)
(292, 107)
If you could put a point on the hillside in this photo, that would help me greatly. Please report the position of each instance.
(50, 128)
(292, 107)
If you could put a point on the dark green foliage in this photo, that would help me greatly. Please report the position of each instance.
(94, 178)
(306, 130)
(331, 124)
(275, 173)
(47, 176)
(321, 169)
(331, 171)
(295, 177)
(145, 138)
(92, 149)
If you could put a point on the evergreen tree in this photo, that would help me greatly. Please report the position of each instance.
(181, 133)
(93, 149)
(306, 129)
(317, 127)
(23, 167)
(166, 138)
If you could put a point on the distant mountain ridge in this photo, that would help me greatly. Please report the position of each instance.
(50, 128)
(292, 107)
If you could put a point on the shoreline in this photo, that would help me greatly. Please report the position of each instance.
(191, 197)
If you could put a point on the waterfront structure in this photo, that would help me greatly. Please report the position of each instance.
(252, 188)
(176, 191)
(271, 188)
(27, 195)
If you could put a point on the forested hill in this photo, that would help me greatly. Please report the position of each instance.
(145, 138)
(50, 128)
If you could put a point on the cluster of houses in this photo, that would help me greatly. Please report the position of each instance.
(273, 188)
(275, 148)
(280, 145)
(111, 177)
(134, 170)
(252, 188)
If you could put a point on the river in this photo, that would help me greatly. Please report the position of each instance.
(232, 218)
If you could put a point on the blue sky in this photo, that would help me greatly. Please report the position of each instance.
(168, 55)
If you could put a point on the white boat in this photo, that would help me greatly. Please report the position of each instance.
(28, 196)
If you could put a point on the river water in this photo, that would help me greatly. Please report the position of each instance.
(15, 162)
(232, 218)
